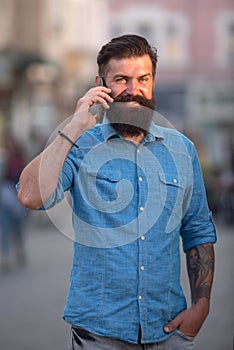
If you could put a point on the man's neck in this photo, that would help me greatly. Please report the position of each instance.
(136, 139)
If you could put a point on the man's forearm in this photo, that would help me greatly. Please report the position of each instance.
(200, 265)
(40, 177)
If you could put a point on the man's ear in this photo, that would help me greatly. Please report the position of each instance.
(98, 80)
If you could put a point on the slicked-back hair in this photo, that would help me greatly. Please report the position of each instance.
(125, 46)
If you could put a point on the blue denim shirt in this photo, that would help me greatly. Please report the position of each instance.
(131, 204)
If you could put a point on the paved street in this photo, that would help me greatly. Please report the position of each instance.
(32, 297)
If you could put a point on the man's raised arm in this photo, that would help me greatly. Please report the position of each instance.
(40, 177)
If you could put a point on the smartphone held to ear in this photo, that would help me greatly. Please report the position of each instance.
(97, 109)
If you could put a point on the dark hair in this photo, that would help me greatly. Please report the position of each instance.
(125, 46)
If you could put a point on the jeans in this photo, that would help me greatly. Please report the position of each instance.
(81, 339)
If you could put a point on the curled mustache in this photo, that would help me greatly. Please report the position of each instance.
(133, 120)
(150, 103)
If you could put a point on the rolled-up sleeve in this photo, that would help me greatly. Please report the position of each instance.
(56, 197)
(197, 225)
(64, 184)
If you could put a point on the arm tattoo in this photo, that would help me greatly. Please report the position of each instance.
(200, 264)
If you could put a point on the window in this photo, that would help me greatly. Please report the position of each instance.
(230, 43)
(172, 43)
(167, 30)
(145, 30)
(225, 39)
(6, 22)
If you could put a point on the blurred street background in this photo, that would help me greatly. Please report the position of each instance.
(32, 297)
(48, 54)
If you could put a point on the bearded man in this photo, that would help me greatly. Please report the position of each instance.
(136, 189)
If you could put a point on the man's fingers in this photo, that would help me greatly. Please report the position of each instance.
(95, 95)
(172, 325)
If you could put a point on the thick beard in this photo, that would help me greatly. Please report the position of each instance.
(131, 120)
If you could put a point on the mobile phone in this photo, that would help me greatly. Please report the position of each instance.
(97, 109)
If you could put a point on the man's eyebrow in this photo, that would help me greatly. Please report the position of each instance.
(145, 75)
(119, 75)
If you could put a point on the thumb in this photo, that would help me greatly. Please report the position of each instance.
(175, 323)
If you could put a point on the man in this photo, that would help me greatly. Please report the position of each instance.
(136, 188)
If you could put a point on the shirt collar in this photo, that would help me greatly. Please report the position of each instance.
(154, 133)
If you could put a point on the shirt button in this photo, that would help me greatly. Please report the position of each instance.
(140, 297)
(138, 151)
(142, 268)
(140, 179)
(175, 181)
(142, 238)
(141, 208)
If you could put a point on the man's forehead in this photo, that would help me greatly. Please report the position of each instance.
(125, 65)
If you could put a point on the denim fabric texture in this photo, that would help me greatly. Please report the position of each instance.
(131, 205)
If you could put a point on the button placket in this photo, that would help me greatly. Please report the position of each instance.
(142, 195)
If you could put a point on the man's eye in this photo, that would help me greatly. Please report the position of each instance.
(144, 79)
(120, 80)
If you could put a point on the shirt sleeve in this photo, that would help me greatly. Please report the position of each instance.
(197, 225)
(64, 184)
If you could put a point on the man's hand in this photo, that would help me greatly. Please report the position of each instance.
(190, 321)
(83, 118)
(99, 94)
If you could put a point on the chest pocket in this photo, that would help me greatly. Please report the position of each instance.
(107, 191)
(172, 189)
(104, 183)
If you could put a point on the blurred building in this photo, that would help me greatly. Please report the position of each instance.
(195, 86)
(48, 59)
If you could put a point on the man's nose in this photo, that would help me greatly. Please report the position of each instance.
(132, 87)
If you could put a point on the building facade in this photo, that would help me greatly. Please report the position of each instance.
(53, 45)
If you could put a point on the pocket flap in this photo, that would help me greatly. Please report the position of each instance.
(171, 179)
(108, 174)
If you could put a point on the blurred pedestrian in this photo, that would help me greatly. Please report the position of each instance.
(12, 213)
